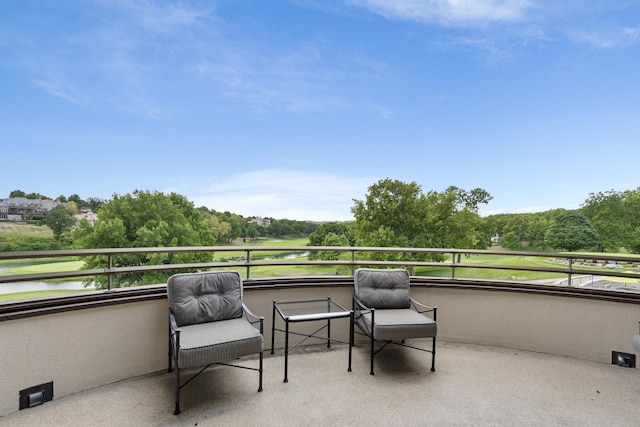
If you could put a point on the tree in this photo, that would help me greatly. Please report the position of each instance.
(390, 215)
(606, 212)
(331, 234)
(59, 221)
(94, 203)
(251, 232)
(17, 193)
(616, 217)
(632, 220)
(398, 214)
(332, 239)
(510, 240)
(338, 228)
(571, 231)
(72, 208)
(218, 228)
(529, 227)
(35, 196)
(145, 219)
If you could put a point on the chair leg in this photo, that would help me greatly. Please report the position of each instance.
(260, 374)
(177, 410)
(372, 354)
(433, 355)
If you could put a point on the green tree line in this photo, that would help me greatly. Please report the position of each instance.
(223, 227)
(392, 214)
(400, 214)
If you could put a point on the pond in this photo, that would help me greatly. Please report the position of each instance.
(288, 256)
(10, 288)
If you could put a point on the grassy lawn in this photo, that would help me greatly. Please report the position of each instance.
(46, 266)
(18, 229)
(485, 273)
(289, 270)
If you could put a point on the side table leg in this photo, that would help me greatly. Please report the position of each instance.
(273, 326)
(286, 351)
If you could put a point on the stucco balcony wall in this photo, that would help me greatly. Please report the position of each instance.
(83, 349)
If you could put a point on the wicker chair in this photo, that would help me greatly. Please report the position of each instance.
(209, 324)
(384, 311)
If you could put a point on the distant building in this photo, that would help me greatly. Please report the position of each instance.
(21, 208)
(89, 216)
(264, 222)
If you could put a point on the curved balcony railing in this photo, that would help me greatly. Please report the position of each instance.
(565, 264)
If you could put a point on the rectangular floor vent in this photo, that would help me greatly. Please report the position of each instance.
(626, 360)
(36, 395)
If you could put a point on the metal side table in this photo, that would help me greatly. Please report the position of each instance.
(308, 311)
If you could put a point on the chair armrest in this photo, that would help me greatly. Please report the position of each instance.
(173, 326)
(359, 305)
(174, 340)
(422, 308)
(252, 318)
(250, 314)
(359, 309)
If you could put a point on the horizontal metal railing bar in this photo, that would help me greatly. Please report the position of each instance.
(455, 264)
(50, 276)
(357, 263)
(179, 249)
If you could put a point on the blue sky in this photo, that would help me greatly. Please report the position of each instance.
(293, 108)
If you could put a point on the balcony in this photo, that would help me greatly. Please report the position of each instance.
(509, 353)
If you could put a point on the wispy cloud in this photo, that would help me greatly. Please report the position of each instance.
(448, 12)
(298, 78)
(151, 59)
(494, 31)
(161, 17)
(607, 37)
(116, 59)
(282, 193)
(63, 91)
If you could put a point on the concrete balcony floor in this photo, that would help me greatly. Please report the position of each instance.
(473, 386)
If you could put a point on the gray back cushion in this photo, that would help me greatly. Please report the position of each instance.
(205, 297)
(382, 288)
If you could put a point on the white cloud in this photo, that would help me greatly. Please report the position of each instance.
(448, 12)
(62, 90)
(607, 37)
(282, 193)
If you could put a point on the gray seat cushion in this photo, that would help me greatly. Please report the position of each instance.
(397, 324)
(205, 297)
(213, 342)
(382, 288)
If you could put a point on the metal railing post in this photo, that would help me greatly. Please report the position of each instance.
(248, 262)
(109, 274)
(454, 261)
(570, 269)
(353, 262)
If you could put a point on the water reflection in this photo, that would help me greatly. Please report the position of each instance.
(288, 256)
(10, 288)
